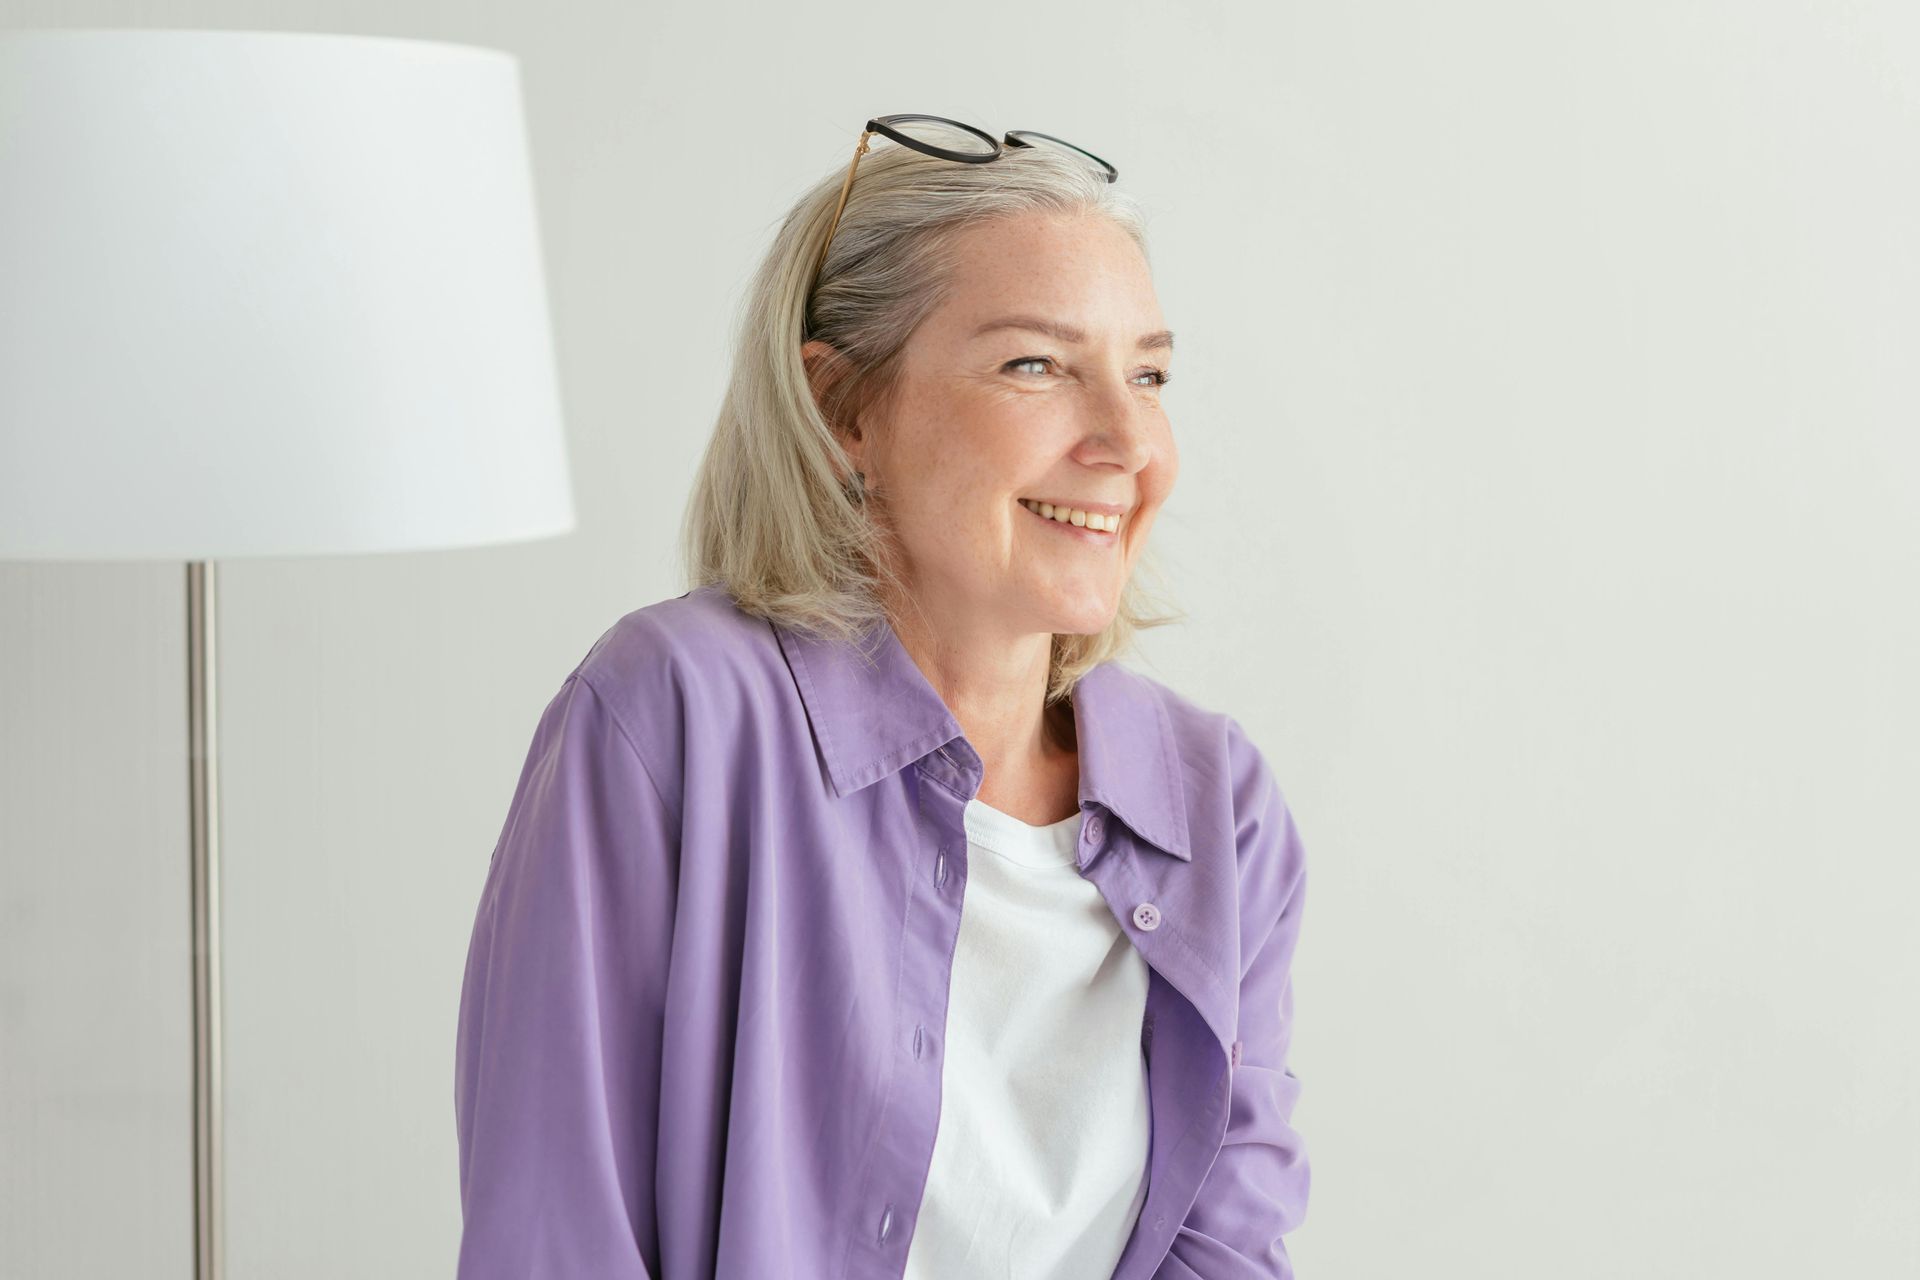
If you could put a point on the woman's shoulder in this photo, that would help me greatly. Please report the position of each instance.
(1230, 787)
(699, 650)
(1208, 740)
(701, 629)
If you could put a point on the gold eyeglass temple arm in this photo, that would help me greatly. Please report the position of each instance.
(844, 188)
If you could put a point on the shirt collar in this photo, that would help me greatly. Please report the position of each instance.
(873, 712)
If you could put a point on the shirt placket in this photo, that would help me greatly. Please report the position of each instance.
(1189, 1086)
(896, 1176)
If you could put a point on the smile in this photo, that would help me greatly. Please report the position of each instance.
(1087, 527)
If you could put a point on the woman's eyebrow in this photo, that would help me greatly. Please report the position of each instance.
(1160, 340)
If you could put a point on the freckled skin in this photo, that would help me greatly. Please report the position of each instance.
(972, 432)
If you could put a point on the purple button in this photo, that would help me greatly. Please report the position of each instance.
(1093, 827)
(1147, 916)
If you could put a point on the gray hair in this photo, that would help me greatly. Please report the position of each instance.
(776, 515)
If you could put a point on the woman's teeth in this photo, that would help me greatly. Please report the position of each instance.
(1073, 515)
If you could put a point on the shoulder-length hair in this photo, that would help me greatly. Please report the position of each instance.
(772, 516)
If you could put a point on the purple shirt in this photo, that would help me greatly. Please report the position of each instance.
(700, 1033)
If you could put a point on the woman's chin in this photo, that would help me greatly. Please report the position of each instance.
(1080, 616)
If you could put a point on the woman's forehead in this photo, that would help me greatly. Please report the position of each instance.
(1075, 274)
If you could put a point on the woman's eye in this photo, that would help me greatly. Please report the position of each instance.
(1160, 377)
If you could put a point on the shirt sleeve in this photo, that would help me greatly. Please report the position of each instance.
(557, 1063)
(1256, 1191)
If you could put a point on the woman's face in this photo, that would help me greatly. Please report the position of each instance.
(1036, 380)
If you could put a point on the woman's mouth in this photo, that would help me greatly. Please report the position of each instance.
(1095, 527)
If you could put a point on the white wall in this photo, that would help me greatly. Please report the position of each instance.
(1548, 513)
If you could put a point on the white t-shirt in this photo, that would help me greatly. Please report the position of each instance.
(1040, 1159)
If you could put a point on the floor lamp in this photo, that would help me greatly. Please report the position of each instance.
(264, 294)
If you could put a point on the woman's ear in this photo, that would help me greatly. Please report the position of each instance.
(826, 367)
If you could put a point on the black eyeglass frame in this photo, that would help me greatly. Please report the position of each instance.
(886, 126)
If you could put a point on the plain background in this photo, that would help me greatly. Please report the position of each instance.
(1547, 513)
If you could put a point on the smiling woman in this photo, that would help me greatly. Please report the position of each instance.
(972, 422)
(1044, 247)
(857, 913)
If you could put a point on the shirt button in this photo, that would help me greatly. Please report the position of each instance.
(1093, 827)
(1147, 916)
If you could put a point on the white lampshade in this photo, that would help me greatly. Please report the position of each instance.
(269, 294)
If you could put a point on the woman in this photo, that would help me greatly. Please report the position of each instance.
(856, 914)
